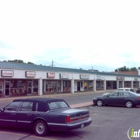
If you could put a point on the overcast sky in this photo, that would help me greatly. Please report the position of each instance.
(98, 34)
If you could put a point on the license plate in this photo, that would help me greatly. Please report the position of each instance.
(82, 125)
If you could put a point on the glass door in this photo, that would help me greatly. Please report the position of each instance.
(7, 88)
(29, 88)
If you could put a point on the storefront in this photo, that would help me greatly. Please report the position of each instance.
(99, 85)
(136, 83)
(66, 86)
(36, 80)
(65, 77)
(85, 84)
(127, 84)
(88, 85)
(18, 87)
(120, 81)
(111, 85)
(100, 82)
(52, 86)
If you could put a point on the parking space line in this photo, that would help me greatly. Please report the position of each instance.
(96, 125)
(4, 132)
(43, 138)
(10, 133)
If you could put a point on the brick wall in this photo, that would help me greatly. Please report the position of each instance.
(128, 72)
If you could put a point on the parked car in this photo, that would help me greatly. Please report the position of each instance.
(43, 115)
(121, 98)
(138, 90)
(125, 89)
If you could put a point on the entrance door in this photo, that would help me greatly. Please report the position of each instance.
(7, 88)
(29, 87)
(78, 86)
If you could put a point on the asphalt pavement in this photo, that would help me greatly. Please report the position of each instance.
(78, 105)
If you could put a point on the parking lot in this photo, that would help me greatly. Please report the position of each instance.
(109, 123)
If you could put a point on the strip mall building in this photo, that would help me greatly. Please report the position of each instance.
(17, 79)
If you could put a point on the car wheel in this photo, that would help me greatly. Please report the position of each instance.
(40, 128)
(128, 104)
(99, 102)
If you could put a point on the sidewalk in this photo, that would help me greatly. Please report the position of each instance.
(57, 95)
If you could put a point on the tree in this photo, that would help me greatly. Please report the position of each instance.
(124, 68)
(30, 63)
(16, 60)
(134, 69)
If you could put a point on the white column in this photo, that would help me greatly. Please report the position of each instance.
(72, 85)
(4, 87)
(131, 84)
(40, 86)
(104, 84)
(44, 85)
(122, 84)
(117, 84)
(94, 87)
(61, 85)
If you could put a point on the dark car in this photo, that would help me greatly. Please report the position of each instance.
(138, 91)
(43, 115)
(121, 98)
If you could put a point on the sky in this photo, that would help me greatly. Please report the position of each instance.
(88, 34)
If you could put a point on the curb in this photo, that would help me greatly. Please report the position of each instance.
(57, 95)
(51, 95)
(81, 105)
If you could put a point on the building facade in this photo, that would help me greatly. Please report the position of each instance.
(28, 79)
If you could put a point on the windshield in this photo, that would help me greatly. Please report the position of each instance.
(134, 93)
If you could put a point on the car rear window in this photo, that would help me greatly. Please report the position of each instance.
(57, 105)
(120, 89)
(126, 89)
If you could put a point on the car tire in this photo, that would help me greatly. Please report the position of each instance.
(129, 104)
(99, 103)
(40, 128)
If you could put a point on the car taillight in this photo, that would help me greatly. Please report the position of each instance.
(73, 119)
(138, 98)
(67, 119)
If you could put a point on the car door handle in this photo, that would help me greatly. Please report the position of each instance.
(13, 113)
(29, 114)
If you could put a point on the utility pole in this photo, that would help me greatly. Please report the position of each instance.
(52, 63)
(92, 68)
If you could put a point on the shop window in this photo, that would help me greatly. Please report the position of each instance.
(81, 84)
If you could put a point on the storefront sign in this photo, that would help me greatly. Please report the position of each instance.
(120, 78)
(50, 75)
(99, 77)
(84, 76)
(136, 79)
(7, 73)
(30, 74)
(64, 75)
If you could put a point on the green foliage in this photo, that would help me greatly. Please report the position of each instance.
(17, 61)
(30, 63)
(124, 68)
